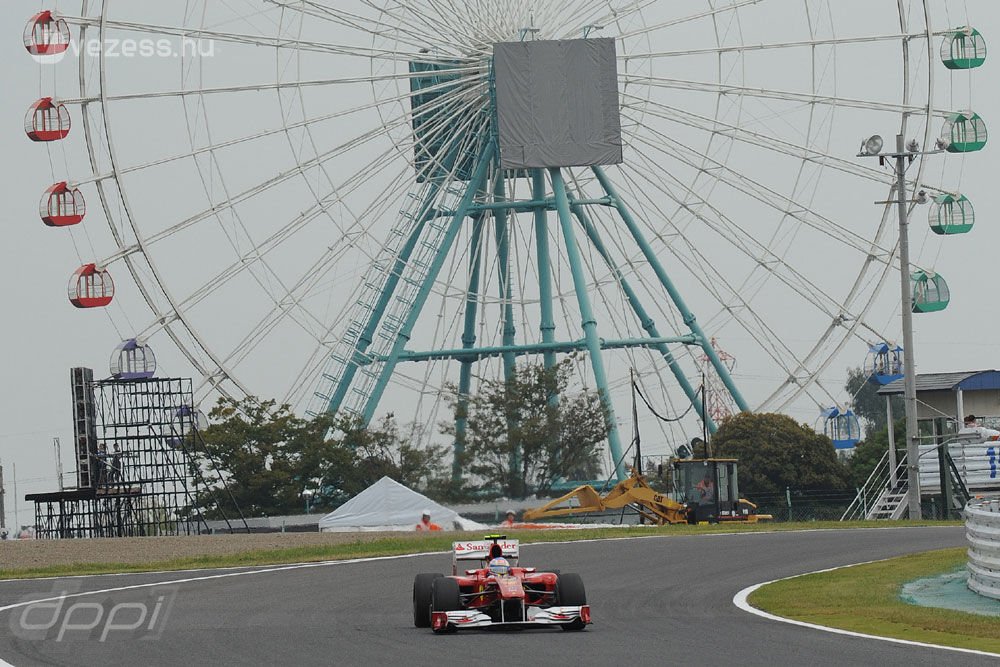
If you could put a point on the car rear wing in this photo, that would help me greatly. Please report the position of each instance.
(484, 550)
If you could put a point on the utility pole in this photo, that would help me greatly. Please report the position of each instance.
(17, 525)
(903, 156)
(909, 366)
(59, 469)
(635, 429)
(3, 512)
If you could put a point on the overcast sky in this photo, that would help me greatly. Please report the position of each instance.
(42, 336)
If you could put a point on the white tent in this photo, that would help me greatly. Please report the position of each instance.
(388, 505)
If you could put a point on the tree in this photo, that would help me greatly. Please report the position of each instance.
(867, 404)
(249, 443)
(523, 434)
(381, 450)
(775, 453)
(270, 458)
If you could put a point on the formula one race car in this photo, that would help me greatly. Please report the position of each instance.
(499, 593)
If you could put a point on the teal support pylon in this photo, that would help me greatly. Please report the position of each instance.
(589, 322)
(468, 342)
(389, 366)
(689, 318)
(563, 347)
(484, 196)
(647, 323)
(547, 327)
(388, 289)
(502, 230)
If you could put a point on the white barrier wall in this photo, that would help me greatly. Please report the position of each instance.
(977, 463)
(982, 528)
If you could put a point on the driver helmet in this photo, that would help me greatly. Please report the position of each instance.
(499, 567)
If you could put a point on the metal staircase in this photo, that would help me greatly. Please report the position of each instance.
(954, 491)
(408, 254)
(883, 495)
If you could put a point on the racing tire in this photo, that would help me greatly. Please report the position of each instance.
(570, 592)
(445, 596)
(575, 626)
(422, 588)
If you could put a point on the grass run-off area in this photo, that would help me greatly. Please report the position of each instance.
(865, 598)
(366, 546)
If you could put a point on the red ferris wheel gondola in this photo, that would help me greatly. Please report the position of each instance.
(47, 120)
(91, 287)
(62, 206)
(46, 34)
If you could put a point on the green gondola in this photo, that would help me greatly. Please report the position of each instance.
(930, 292)
(952, 214)
(963, 48)
(964, 132)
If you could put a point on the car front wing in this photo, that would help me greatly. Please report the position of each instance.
(458, 620)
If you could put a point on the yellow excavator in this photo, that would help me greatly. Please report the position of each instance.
(704, 491)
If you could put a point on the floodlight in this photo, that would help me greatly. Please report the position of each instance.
(873, 146)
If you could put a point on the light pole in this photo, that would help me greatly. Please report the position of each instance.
(903, 157)
(308, 495)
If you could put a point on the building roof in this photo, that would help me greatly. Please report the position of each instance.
(967, 381)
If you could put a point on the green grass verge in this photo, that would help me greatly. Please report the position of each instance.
(866, 599)
(394, 546)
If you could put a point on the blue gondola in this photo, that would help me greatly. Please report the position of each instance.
(884, 363)
(843, 428)
(185, 423)
(132, 360)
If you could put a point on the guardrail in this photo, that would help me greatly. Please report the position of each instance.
(982, 528)
(978, 465)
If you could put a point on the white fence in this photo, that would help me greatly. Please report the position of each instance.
(982, 528)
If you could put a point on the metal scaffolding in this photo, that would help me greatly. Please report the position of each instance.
(137, 472)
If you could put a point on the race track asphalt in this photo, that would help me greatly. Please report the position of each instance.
(655, 601)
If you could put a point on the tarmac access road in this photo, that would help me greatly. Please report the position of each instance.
(655, 601)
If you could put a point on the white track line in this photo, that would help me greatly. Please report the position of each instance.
(243, 573)
(227, 568)
(227, 573)
(741, 601)
(278, 566)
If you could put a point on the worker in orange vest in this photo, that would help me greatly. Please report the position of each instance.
(509, 521)
(425, 522)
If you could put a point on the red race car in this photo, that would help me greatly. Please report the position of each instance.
(498, 593)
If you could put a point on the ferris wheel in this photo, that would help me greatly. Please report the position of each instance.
(305, 199)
